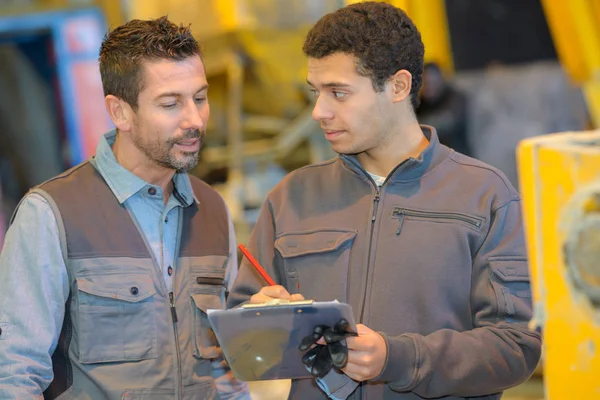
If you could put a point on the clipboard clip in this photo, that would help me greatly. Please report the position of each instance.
(279, 302)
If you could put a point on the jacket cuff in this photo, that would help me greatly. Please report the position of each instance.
(400, 365)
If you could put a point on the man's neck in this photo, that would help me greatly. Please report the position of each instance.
(132, 159)
(408, 141)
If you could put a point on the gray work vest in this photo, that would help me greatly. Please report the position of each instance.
(121, 337)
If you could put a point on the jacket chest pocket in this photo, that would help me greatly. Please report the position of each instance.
(316, 263)
(403, 214)
(207, 291)
(116, 317)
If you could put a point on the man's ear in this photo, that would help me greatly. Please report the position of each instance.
(401, 83)
(120, 112)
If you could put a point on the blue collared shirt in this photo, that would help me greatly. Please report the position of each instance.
(34, 284)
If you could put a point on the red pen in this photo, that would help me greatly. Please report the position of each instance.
(256, 265)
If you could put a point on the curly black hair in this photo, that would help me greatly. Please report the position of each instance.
(124, 48)
(382, 37)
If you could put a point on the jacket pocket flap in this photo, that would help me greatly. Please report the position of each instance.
(211, 266)
(299, 244)
(207, 301)
(117, 287)
(510, 270)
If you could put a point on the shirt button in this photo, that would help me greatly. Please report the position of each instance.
(170, 271)
(134, 290)
(166, 219)
(0, 331)
(151, 191)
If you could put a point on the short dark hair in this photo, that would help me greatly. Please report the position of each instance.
(382, 37)
(124, 48)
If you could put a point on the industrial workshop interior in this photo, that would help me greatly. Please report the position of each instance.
(527, 71)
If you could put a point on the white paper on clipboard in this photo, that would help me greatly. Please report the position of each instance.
(260, 342)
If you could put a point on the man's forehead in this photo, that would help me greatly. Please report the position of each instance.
(165, 68)
(173, 76)
(338, 67)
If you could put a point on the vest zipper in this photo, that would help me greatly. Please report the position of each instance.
(177, 349)
(173, 309)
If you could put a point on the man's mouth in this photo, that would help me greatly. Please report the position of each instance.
(189, 145)
(332, 133)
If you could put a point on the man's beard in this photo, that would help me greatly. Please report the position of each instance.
(160, 152)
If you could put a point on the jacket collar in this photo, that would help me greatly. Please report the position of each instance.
(413, 168)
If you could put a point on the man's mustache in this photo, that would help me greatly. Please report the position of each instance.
(195, 134)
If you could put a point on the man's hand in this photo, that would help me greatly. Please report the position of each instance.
(367, 353)
(268, 293)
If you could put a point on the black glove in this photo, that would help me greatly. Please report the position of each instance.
(321, 358)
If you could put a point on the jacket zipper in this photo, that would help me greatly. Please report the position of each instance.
(373, 218)
(401, 213)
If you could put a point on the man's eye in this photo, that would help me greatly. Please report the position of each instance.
(338, 95)
(200, 100)
(314, 92)
(168, 106)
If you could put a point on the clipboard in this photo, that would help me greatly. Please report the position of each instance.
(260, 341)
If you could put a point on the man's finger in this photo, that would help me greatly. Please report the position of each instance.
(259, 298)
(275, 292)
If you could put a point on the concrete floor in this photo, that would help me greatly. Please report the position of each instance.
(278, 390)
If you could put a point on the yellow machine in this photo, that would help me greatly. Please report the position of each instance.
(560, 186)
(561, 202)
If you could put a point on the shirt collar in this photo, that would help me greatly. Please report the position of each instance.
(124, 183)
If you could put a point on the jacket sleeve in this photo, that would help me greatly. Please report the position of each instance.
(227, 385)
(34, 288)
(500, 351)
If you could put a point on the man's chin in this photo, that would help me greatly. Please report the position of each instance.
(189, 162)
(343, 150)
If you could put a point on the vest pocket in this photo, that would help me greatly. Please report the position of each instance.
(206, 292)
(510, 281)
(116, 318)
(316, 262)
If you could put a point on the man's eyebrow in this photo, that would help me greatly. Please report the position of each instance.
(177, 94)
(168, 94)
(331, 84)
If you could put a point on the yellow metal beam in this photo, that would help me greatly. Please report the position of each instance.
(566, 39)
(591, 90)
(430, 18)
(575, 30)
(113, 12)
(587, 31)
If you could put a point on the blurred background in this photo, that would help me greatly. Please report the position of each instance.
(498, 71)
